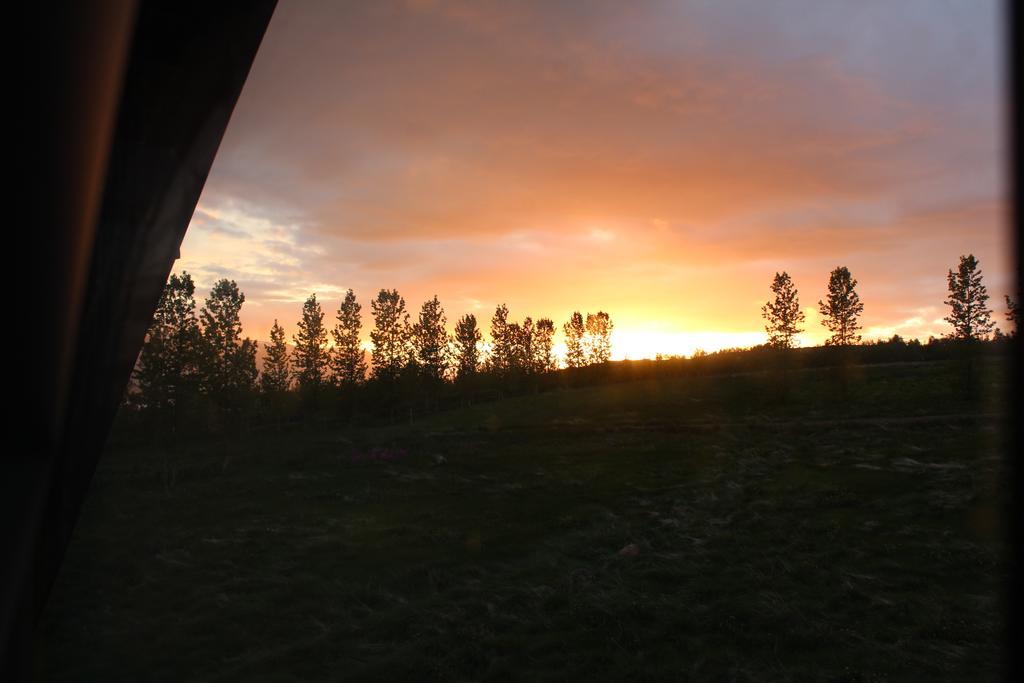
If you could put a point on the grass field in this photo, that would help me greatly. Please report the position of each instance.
(807, 539)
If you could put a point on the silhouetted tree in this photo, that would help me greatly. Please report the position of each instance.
(515, 357)
(1013, 313)
(276, 375)
(575, 330)
(310, 358)
(467, 353)
(598, 338)
(244, 373)
(229, 362)
(348, 364)
(500, 358)
(170, 354)
(783, 314)
(521, 338)
(430, 341)
(543, 359)
(970, 315)
(390, 334)
(841, 309)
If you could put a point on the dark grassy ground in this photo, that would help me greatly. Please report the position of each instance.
(807, 539)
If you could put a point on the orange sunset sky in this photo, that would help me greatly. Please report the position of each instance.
(657, 160)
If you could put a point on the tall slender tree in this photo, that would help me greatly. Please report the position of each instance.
(521, 342)
(575, 331)
(467, 352)
(229, 362)
(430, 340)
(348, 364)
(390, 335)
(513, 362)
(598, 338)
(783, 313)
(543, 359)
(841, 309)
(170, 355)
(500, 357)
(276, 375)
(969, 314)
(309, 359)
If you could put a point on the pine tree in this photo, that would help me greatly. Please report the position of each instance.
(228, 361)
(430, 341)
(841, 309)
(783, 314)
(390, 335)
(500, 357)
(169, 358)
(276, 375)
(575, 356)
(970, 315)
(348, 364)
(598, 338)
(543, 359)
(467, 352)
(310, 357)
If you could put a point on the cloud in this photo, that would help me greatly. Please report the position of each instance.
(660, 159)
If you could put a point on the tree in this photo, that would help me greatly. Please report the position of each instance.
(276, 375)
(970, 315)
(574, 333)
(244, 373)
(841, 309)
(513, 361)
(543, 359)
(1013, 313)
(228, 362)
(169, 357)
(467, 352)
(347, 361)
(783, 314)
(430, 341)
(598, 339)
(521, 343)
(310, 357)
(500, 358)
(390, 335)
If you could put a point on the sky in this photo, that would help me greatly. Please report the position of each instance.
(657, 160)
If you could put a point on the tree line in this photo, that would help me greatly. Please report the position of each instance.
(401, 347)
(189, 354)
(970, 315)
(206, 353)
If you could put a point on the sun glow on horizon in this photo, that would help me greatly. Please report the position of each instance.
(649, 344)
